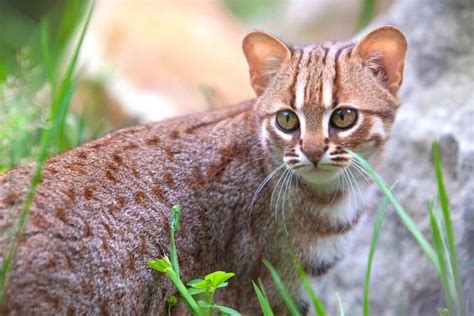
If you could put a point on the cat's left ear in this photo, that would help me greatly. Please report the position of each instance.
(384, 50)
(265, 55)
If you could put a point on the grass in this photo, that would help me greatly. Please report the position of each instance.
(53, 133)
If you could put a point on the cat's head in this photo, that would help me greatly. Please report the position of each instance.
(318, 100)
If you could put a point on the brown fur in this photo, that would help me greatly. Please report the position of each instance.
(103, 209)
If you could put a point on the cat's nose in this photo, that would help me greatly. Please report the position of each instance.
(314, 154)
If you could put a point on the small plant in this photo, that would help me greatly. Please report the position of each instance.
(199, 296)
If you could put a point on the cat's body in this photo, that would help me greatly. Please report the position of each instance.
(103, 209)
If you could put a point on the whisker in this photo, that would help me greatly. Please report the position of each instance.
(273, 193)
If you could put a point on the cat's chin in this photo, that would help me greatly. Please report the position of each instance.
(319, 176)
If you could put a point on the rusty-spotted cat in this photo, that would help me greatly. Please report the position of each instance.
(267, 178)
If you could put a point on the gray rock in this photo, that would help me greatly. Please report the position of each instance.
(437, 104)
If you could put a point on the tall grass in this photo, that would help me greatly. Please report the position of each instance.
(442, 255)
(53, 133)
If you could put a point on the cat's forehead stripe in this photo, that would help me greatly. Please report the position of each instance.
(301, 79)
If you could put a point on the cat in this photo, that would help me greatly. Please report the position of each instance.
(267, 178)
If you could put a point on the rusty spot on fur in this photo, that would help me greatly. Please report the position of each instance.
(142, 246)
(89, 192)
(169, 180)
(110, 175)
(70, 311)
(197, 179)
(38, 221)
(86, 288)
(174, 134)
(11, 198)
(61, 214)
(45, 296)
(139, 197)
(112, 208)
(50, 264)
(227, 154)
(168, 152)
(130, 146)
(82, 155)
(71, 194)
(117, 158)
(105, 245)
(75, 167)
(153, 141)
(158, 192)
(68, 261)
(120, 201)
(52, 170)
(87, 230)
(131, 261)
(135, 172)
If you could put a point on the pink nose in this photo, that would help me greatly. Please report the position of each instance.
(314, 154)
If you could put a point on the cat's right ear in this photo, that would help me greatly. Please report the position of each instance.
(265, 55)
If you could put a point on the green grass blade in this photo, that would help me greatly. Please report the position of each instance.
(263, 301)
(366, 14)
(290, 304)
(183, 291)
(318, 306)
(60, 102)
(47, 59)
(339, 303)
(373, 246)
(175, 216)
(443, 198)
(404, 216)
(441, 251)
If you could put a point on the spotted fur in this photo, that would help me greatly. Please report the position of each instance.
(249, 191)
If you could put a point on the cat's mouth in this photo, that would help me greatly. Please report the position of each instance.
(321, 173)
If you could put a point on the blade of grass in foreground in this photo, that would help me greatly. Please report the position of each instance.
(59, 103)
(175, 215)
(318, 306)
(290, 304)
(443, 198)
(441, 251)
(262, 299)
(373, 246)
(404, 216)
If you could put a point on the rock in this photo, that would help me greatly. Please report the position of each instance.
(437, 104)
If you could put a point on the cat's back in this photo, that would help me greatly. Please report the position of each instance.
(104, 206)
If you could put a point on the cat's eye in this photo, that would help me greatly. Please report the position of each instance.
(343, 118)
(287, 121)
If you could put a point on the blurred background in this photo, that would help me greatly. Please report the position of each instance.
(144, 60)
(148, 60)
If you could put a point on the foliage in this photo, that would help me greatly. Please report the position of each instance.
(61, 96)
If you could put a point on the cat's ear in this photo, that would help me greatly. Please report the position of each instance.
(265, 55)
(384, 49)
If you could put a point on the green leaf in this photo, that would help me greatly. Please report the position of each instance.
(290, 304)
(228, 310)
(263, 301)
(318, 306)
(160, 264)
(194, 291)
(218, 277)
(192, 282)
(373, 245)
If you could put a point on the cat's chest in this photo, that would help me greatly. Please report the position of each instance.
(327, 232)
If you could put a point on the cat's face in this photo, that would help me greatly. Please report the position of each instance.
(317, 101)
